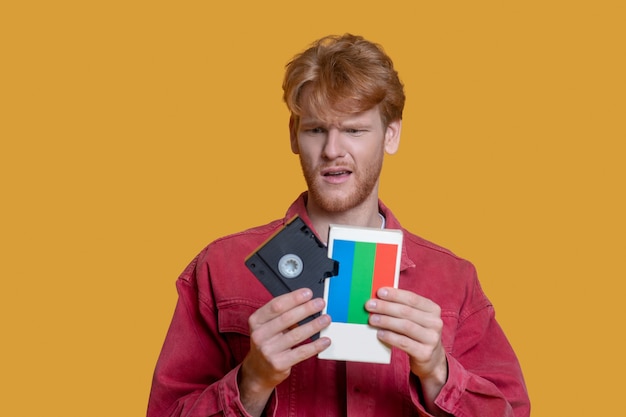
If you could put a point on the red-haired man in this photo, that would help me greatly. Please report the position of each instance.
(233, 350)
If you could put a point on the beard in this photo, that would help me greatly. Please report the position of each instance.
(337, 201)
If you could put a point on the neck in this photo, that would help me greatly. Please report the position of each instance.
(364, 215)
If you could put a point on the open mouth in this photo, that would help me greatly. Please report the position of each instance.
(337, 173)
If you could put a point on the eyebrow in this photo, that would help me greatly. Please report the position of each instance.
(352, 122)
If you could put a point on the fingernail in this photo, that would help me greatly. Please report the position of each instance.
(375, 318)
(383, 292)
(318, 303)
(371, 304)
(306, 293)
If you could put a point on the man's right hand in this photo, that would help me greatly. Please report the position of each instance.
(274, 345)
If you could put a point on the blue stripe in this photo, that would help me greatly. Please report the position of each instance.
(339, 292)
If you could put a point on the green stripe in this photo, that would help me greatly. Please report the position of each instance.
(362, 275)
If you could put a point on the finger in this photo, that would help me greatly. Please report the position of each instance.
(423, 356)
(281, 324)
(309, 350)
(401, 332)
(280, 304)
(289, 333)
(408, 298)
(404, 319)
(285, 349)
(406, 313)
(300, 333)
(288, 358)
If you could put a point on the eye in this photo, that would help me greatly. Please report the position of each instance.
(315, 130)
(355, 132)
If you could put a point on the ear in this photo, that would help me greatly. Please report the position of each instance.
(392, 136)
(293, 135)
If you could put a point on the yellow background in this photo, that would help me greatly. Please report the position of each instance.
(133, 133)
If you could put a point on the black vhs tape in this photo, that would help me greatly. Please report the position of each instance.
(293, 258)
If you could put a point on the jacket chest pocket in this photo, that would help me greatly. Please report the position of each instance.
(450, 323)
(233, 325)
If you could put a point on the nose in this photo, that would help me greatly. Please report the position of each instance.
(333, 147)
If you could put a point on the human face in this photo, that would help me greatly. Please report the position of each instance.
(342, 158)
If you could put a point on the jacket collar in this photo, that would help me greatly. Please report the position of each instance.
(298, 208)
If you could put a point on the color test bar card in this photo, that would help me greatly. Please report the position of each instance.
(368, 259)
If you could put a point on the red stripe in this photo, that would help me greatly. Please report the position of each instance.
(384, 266)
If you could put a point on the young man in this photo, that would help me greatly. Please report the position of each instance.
(233, 350)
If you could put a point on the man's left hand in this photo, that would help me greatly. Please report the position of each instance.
(413, 324)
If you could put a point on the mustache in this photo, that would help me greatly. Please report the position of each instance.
(346, 167)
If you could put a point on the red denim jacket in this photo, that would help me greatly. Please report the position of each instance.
(196, 373)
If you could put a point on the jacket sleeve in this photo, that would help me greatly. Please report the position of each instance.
(484, 375)
(195, 375)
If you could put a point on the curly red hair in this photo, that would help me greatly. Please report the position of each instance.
(345, 75)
